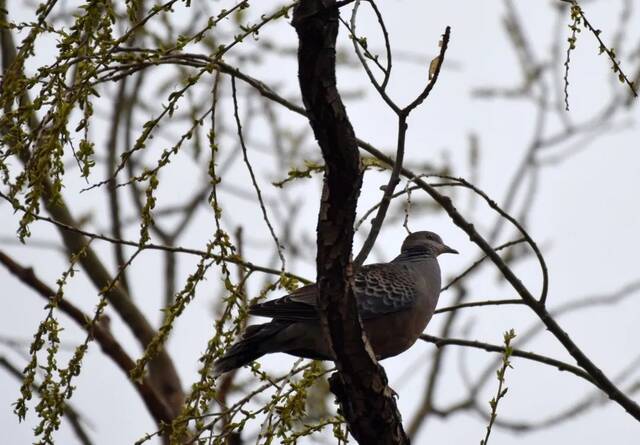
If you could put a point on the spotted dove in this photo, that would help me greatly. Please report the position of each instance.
(395, 301)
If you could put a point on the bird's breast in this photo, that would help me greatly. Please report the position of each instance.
(396, 332)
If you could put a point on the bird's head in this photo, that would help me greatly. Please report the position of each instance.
(425, 240)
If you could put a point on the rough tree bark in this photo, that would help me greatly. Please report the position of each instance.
(360, 384)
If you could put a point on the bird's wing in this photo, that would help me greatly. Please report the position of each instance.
(380, 289)
(300, 305)
(383, 289)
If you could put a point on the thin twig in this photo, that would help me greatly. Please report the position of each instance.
(252, 174)
(506, 363)
(403, 115)
(70, 413)
(560, 365)
(455, 307)
(109, 345)
(177, 249)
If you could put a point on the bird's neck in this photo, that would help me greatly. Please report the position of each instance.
(415, 254)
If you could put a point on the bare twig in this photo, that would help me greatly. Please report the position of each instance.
(479, 304)
(403, 115)
(561, 366)
(253, 176)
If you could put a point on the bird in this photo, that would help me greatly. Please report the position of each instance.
(395, 302)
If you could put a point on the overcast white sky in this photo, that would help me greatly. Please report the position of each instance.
(586, 214)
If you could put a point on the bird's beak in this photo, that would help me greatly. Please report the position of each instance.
(447, 249)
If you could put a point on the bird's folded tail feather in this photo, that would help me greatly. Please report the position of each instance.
(251, 346)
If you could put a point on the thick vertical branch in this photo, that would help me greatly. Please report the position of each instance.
(360, 384)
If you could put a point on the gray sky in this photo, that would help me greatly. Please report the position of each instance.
(585, 214)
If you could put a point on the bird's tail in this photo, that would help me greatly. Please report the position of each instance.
(253, 344)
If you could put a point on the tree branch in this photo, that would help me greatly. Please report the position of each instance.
(562, 366)
(602, 381)
(615, 394)
(360, 384)
(69, 412)
(157, 407)
(162, 370)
